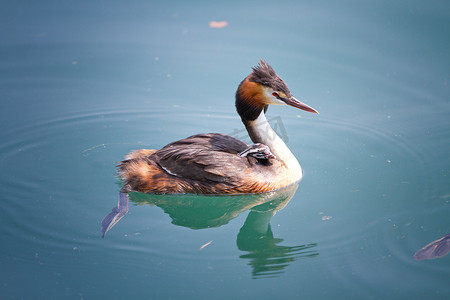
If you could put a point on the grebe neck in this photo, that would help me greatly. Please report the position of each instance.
(260, 131)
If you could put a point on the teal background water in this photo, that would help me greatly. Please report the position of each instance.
(82, 84)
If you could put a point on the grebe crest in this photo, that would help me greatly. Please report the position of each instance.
(262, 88)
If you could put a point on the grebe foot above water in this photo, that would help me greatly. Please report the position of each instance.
(118, 211)
(435, 249)
(215, 163)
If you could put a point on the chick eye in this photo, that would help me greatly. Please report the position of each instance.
(275, 94)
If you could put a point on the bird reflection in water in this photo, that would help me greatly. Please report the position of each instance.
(266, 256)
(264, 252)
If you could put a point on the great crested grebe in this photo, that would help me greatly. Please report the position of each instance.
(215, 163)
(209, 163)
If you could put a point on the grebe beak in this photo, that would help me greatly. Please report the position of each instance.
(295, 103)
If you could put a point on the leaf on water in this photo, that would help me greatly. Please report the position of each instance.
(220, 24)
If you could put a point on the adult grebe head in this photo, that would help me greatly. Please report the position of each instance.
(262, 88)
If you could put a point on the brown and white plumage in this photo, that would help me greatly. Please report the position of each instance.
(210, 163)
(203, 164)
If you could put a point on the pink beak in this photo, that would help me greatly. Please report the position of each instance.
(295, 103)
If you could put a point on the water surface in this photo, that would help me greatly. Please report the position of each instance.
(82, 84)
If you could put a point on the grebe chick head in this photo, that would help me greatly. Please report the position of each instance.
(262, 88)
(258, 151)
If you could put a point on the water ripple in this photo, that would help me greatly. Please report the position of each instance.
(383, 230)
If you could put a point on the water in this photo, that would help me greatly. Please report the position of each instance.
(82, 84)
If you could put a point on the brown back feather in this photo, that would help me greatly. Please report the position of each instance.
(206, 163)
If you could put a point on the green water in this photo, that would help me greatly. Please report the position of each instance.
(82, 84)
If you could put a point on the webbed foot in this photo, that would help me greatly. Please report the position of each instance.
(118, 211)
(436, 249)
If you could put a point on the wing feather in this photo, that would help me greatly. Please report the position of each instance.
(211, 157)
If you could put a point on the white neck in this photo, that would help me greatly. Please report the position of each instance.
(260, 131)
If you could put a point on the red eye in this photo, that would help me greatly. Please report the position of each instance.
(275, 94)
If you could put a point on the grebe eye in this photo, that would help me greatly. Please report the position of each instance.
(275, 94)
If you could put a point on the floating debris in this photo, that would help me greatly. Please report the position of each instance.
(203, 246)
(220, 24)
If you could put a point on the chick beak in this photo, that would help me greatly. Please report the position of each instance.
(295, 103)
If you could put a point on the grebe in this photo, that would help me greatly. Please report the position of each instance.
(215, 163)
(209, 164)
